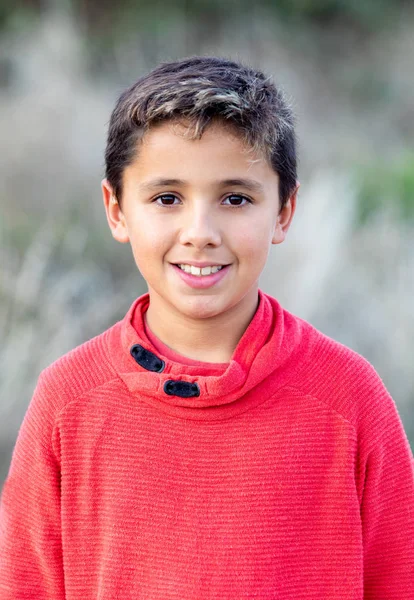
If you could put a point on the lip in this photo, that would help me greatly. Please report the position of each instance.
(200, 264)
(204, 281)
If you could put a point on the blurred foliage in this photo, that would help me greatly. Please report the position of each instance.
(106, 16)
(18, 15)
(387, 186)
(94, 242)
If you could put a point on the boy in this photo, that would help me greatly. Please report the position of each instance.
(210, 444)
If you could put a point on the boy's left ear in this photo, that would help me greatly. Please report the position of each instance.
(284, 218)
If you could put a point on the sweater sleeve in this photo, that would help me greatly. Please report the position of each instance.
(387, 507)
(30, 537)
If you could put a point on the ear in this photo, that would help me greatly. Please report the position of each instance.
(284, 218)
(114, 215)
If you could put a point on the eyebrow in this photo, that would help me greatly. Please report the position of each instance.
(249, 184)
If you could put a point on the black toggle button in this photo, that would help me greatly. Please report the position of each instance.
(184, 389)
(147, 359)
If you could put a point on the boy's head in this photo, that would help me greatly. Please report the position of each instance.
(200, 90)
(201, 172)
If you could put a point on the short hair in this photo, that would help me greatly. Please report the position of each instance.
(200, 90)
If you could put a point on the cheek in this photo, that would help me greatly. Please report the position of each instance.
(254, 240)
(149, 239)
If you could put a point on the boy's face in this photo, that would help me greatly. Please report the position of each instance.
(201, 214)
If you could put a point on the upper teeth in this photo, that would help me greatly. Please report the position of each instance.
(199, 270)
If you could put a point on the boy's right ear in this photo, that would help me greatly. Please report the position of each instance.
(114, 215)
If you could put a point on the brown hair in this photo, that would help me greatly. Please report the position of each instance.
(201, 89)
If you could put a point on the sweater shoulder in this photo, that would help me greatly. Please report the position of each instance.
(341, 362)
(77, 372)
(82, 369)
(342, 378)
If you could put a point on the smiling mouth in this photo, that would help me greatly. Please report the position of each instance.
(200, 271)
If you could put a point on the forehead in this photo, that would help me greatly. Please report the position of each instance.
(168, 150)
(181, 134)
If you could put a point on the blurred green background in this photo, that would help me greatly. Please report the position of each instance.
(348, 263)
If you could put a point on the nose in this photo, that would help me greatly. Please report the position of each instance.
(200, 229)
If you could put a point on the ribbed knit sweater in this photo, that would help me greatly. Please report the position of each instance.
(285, 474)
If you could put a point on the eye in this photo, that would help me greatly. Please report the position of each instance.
(237, 200)
(166, 200)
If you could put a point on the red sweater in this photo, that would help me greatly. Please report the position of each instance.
(285, 474)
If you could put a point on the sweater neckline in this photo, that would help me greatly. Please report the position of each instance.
(266, 344)
(161, 349)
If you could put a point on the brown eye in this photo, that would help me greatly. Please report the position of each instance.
(237, 200)
(165, 200)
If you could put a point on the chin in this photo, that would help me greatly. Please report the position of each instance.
(202, 307)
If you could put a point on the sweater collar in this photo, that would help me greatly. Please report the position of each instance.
(187, 390)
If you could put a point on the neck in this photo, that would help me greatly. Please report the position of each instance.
(212, 339)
